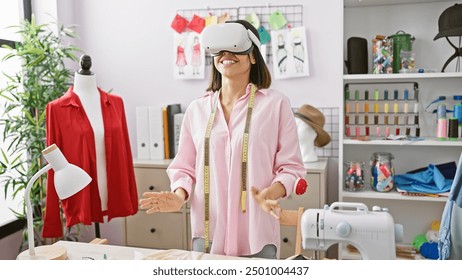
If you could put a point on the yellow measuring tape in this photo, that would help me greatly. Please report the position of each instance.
(245, 148)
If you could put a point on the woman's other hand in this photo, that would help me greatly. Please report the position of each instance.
(163, 201)
(266, 202)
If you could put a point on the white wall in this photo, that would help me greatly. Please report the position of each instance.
(131, 42)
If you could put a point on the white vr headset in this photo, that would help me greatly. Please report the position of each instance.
(231, 36)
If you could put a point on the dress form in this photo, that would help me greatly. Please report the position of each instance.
(306, 137)
(86, 89)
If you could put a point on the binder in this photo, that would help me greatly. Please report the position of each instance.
(142, 133)
(177, 121)
(156, 133)
(172, 109)
(165, 134)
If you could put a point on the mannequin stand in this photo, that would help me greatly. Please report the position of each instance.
(457, 53)
(97, 231)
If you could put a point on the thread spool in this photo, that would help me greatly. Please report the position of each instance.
(416, 112)
(458, 113)
(347, 94)
(442, 129)
(406, 94)
(453, 129)
(442, 125)
(441, 111)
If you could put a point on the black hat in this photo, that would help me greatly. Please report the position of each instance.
(450, 22)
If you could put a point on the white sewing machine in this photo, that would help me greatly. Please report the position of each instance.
(371, 232)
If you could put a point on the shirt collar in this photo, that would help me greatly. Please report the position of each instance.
(72, 99)
(264, 91)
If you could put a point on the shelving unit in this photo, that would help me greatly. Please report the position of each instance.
(419, 18)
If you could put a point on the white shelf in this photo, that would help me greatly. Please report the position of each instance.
(420, 18)
(392, 195)
(399, 77)
(426, 142)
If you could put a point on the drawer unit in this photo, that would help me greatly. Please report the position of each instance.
(159, 231)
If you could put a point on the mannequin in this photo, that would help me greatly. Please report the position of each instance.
(306, 137)
(310, 128)
(86, 89)
(90, 127)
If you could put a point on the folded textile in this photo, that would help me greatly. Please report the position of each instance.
(448, 169)
(430, 180)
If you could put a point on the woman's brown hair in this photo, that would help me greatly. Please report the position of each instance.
(259, 72)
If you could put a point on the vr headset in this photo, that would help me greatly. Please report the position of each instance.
(232, 37)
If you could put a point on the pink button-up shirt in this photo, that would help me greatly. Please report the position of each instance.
(274, 155)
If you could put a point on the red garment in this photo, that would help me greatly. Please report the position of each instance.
(69, 128)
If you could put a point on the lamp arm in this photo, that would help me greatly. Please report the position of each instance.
(30, 219)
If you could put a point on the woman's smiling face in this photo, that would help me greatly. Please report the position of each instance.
(230, 64)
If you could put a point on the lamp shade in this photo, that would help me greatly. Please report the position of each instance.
(69, 179)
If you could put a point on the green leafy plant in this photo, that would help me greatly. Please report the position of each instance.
(42, 77)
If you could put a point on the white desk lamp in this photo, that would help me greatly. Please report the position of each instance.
(69, 180)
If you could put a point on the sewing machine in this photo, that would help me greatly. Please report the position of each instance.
(371, 232)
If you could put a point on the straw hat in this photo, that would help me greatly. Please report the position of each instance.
(314, 118)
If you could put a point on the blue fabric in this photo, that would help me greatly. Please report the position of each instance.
(428, 181)
(454, 199)
(444, 237)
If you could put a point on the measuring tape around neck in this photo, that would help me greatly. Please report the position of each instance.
(245, 148)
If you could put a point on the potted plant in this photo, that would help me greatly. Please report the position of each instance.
(42, 77)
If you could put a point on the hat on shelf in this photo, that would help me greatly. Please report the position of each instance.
(314, 118)
(450, 22)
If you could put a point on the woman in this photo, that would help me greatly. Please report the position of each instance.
(239, 134)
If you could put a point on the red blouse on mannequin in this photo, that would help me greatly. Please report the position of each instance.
(69, 128)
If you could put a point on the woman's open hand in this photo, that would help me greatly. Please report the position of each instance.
(161, 202)
(266, 203)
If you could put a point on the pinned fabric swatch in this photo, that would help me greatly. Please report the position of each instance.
(253, 19)
(264, 35)
(197, 24)
(211, 19)
(179, 23)
(277, 20)
(223, 18)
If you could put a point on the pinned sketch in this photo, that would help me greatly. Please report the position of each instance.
(290, 54)
(189, 56)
